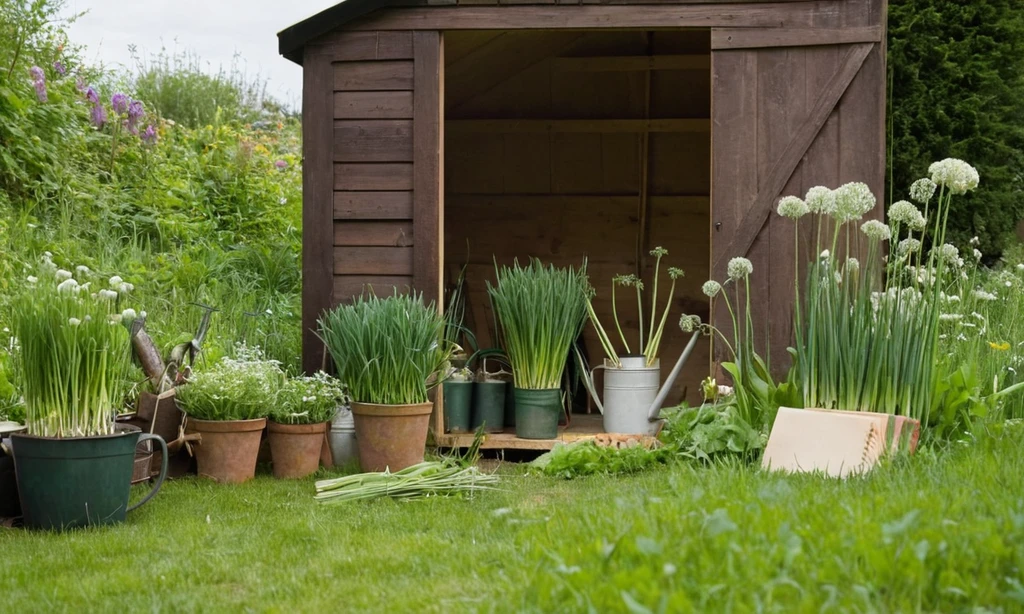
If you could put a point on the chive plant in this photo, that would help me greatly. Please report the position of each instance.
(650, 343)
(73, 351)
(308, 400)
(386, 350)
(867, 334)
(542, 311)
(241, 388)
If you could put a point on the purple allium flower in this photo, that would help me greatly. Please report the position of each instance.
(59, 67)
(99, 115)
(281, 165)
(149, 135)
(92, 96)
(37, 73)
(119, 103)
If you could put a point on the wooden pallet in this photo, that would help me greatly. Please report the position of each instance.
(584, 426)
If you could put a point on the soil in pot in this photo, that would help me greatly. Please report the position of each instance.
(76, 482)
(295, 448)
(537, 413)
(489, 406)
(458, 398)
(391, 436)
(228, 448)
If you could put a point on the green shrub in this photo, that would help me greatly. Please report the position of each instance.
(308, 400)
(240, 388)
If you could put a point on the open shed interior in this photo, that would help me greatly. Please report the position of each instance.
(565, 144)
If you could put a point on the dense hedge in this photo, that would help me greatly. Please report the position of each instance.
(957, 90)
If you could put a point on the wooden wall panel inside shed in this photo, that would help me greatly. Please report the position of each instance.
(563, 196)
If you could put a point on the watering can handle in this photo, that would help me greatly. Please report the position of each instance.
(163, 468)
(589, 384)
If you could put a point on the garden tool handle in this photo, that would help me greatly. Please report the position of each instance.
(163, 468)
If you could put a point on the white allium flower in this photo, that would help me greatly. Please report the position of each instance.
(74, 321)
(1008, 284)
(108, 295)
(62, 274)
(82, 269)
(116, 281)
(903, 212)
(852, 265)
(711, 288)
(853, 200)
(47, 255)
(725, 391)
(908, 246)
(950, 317)
(949, 254)
(739, 268)
(129, 314)
(975, 241)
(115, 318)
(1020, 267)
(825, 255)
(142, 314)
(981, 295)
(876, 231)
(956, 175)
(977, 316)
(31, 279)
(953, 298)
(977, 254)
(793, 207)
(821, 200)
(125, 288)
(922, 190)
(67, 286)
(689, 323)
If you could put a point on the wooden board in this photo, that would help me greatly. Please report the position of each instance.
(373, 260)
(354, 46)
(370, 177)
(373, 205)
(582, 427)
(379, 234)
(347, 286)
(373, 105)
(373, 140)
(371, 76)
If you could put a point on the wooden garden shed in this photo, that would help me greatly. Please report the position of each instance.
(443, 133)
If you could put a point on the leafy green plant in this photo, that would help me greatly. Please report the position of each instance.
(541, 311)
(308, 400)
(711, 431)
(73, 353)
(587, 458)
(386, 350)
(649, 343)
(241, 388)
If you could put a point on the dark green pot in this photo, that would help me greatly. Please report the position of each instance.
(537, 413)
(80, 481)
(489, 406)
(458, 398)
(510, 404)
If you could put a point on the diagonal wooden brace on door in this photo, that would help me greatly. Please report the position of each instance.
(754, 220)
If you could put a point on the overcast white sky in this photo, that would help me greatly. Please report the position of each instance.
(214, 29)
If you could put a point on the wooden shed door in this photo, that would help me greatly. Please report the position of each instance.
(786, 116)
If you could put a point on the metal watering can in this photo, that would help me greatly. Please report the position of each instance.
(632, 397)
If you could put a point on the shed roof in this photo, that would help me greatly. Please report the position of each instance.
(292, 39)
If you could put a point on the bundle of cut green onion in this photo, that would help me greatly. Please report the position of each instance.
(426, 479)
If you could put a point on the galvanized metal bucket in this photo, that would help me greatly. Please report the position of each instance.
(629, 393)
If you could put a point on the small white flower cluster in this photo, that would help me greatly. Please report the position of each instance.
(982, 295)
(908, 246)
(905, 213)
(852, 266)
(955, 175)
(923, 190)
(689, 323)
(793, 207)
(949, 254)
(853, 200)
(821, 200)
(876, 231)
(711, 288)
(950, 317)
(739, 268)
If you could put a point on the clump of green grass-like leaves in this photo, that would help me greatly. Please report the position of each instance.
(542, 311)
(73, 352)
(308, 400)
(241, 388)
(386, 350)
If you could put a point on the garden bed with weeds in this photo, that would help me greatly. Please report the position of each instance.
(942, 532)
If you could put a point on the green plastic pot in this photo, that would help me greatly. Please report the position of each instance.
(79, 481)
(458, 398)
(489, 406)
(537, 413)
(510, 404)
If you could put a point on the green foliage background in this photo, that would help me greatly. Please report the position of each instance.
(957, 90)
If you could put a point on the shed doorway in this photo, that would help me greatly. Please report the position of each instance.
(565, 144)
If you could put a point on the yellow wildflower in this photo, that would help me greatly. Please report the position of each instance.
(1002, 347)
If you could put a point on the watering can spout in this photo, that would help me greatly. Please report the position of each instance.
(654, 411)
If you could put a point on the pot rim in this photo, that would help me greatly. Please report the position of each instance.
(228, 426)
(378, 409)
(120, 430)
(307, 428)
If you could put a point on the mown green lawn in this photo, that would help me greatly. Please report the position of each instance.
(943, 531)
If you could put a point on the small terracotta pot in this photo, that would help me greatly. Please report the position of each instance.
(295, 448)
(228, 449)
(391, 436)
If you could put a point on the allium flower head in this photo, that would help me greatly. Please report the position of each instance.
(67, 286)
(948, 253)
(852, 265)
(956, 175)
(876, 231)
(32, 279)
(82, 269)
(977, 254)
(904, 212)
(908, 246)
(74, 321)
(923, 190)
(107, 295)
(793, 207)
(659, 251)
(689, 323)
(129, 314)
(115, 281)
(821, 200)
(675, 273)
(119, 103)
(711, 288)
(62, 275)
(739, 268)
(853, 200)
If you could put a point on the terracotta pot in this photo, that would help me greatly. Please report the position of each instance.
(228, 448)
(391, 436)
(295, 448)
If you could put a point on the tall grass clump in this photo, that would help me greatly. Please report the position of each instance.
(386, 350)
(73, 351)
(541, 311)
